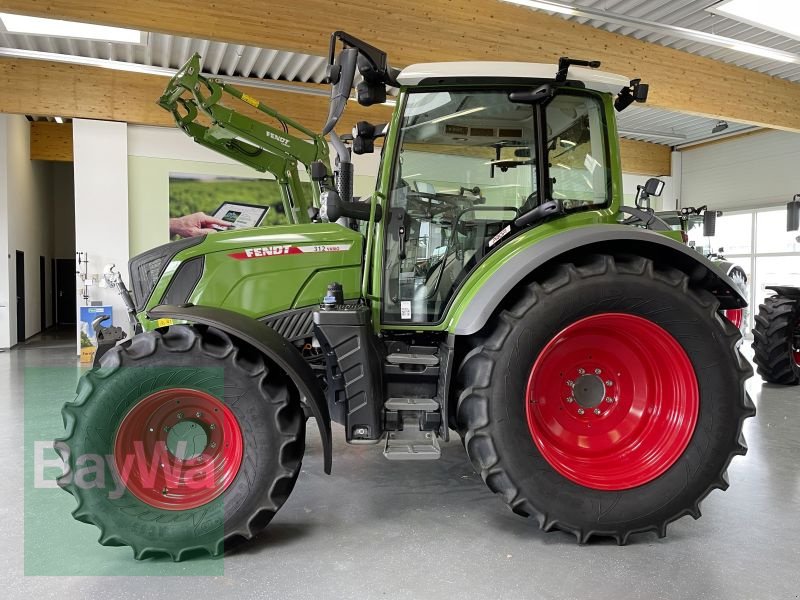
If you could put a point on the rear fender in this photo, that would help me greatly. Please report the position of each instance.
(785, 290)
(594, 239)
(273, 345)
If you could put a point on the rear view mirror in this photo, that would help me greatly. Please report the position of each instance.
(653, 186)
(341, 74)
(709, 223)
(793, 214)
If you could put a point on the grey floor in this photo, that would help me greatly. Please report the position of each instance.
(376, 529)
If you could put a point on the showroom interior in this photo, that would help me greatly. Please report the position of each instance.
(456, 365)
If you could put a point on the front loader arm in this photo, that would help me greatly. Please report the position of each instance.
(265, 148)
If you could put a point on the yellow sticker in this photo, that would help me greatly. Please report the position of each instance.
(165, 322)
(250, 100)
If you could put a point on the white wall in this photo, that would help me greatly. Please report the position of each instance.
(26, 224)
(5, 256)
(100, 151)
(745, 172)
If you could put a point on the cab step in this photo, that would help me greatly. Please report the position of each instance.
(397, 404)
(399, 358)
(412, 445)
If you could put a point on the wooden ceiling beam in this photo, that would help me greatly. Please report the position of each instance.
(644, 158)
(33, 87)
(413, 31)
(51, 141)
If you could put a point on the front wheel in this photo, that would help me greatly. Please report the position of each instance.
(183, 440)
(607, 400)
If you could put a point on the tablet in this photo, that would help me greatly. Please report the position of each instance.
(240, 215)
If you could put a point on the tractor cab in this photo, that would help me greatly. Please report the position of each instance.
(477, 153)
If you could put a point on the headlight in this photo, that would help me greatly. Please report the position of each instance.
(146, 268)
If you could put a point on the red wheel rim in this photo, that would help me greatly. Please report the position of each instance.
(178, 449)
(735, 316)
(612, 401)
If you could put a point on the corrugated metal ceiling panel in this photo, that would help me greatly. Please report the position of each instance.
(162, 50)
(692, 14)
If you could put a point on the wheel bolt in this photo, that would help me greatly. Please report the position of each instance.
(212, 426)
(597, 411)
(597, 371)
(570, 383)
(164, 491)
(581, 372)
(570, 400)
(609, 400)
(166, 428)
(609, 383)
(180, 415)
(213, 444)
(198, 414)
(580, 411)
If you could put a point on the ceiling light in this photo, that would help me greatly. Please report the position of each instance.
(644, 133)
(59, 119)
(548, 6)
(68, 29)
(683, 33)
(719, 127)
(780, 16)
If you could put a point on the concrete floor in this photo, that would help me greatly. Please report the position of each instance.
(376, 529)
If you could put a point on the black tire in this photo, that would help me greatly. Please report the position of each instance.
(776, 326)
(269, 417)
(491, 412)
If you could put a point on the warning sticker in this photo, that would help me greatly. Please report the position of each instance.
(405, 309)
(250, 100)
(285, 249)
(503, 233)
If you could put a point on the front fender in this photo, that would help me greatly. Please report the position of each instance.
(593, 239)
(273, 345)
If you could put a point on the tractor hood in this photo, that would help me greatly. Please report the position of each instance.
(256, 272)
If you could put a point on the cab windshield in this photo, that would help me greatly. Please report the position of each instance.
(465, 169)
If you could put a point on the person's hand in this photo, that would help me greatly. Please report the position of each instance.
(194, 224)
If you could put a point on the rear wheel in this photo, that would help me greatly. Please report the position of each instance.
(776, 340)
(194, 442)
(606, 400)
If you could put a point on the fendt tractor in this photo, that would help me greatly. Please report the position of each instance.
(487, 286)
(776, 335)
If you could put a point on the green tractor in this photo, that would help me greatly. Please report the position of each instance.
(485, 287)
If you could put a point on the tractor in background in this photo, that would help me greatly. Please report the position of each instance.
(486, 287)
(776, 335)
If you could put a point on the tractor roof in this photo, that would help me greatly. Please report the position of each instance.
(483, 70)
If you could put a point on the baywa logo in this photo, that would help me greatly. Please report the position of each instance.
(159, 469)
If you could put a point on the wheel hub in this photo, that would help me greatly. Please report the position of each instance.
(589, 391)
(612, 401)
(178, 449)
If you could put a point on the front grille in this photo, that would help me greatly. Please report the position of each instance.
(147, 268)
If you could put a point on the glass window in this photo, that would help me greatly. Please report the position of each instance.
(775, 270)
(771, 234)
(577, 150)
(734, 234)
(466, 167)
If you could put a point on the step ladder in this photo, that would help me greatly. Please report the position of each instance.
(411, 443)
